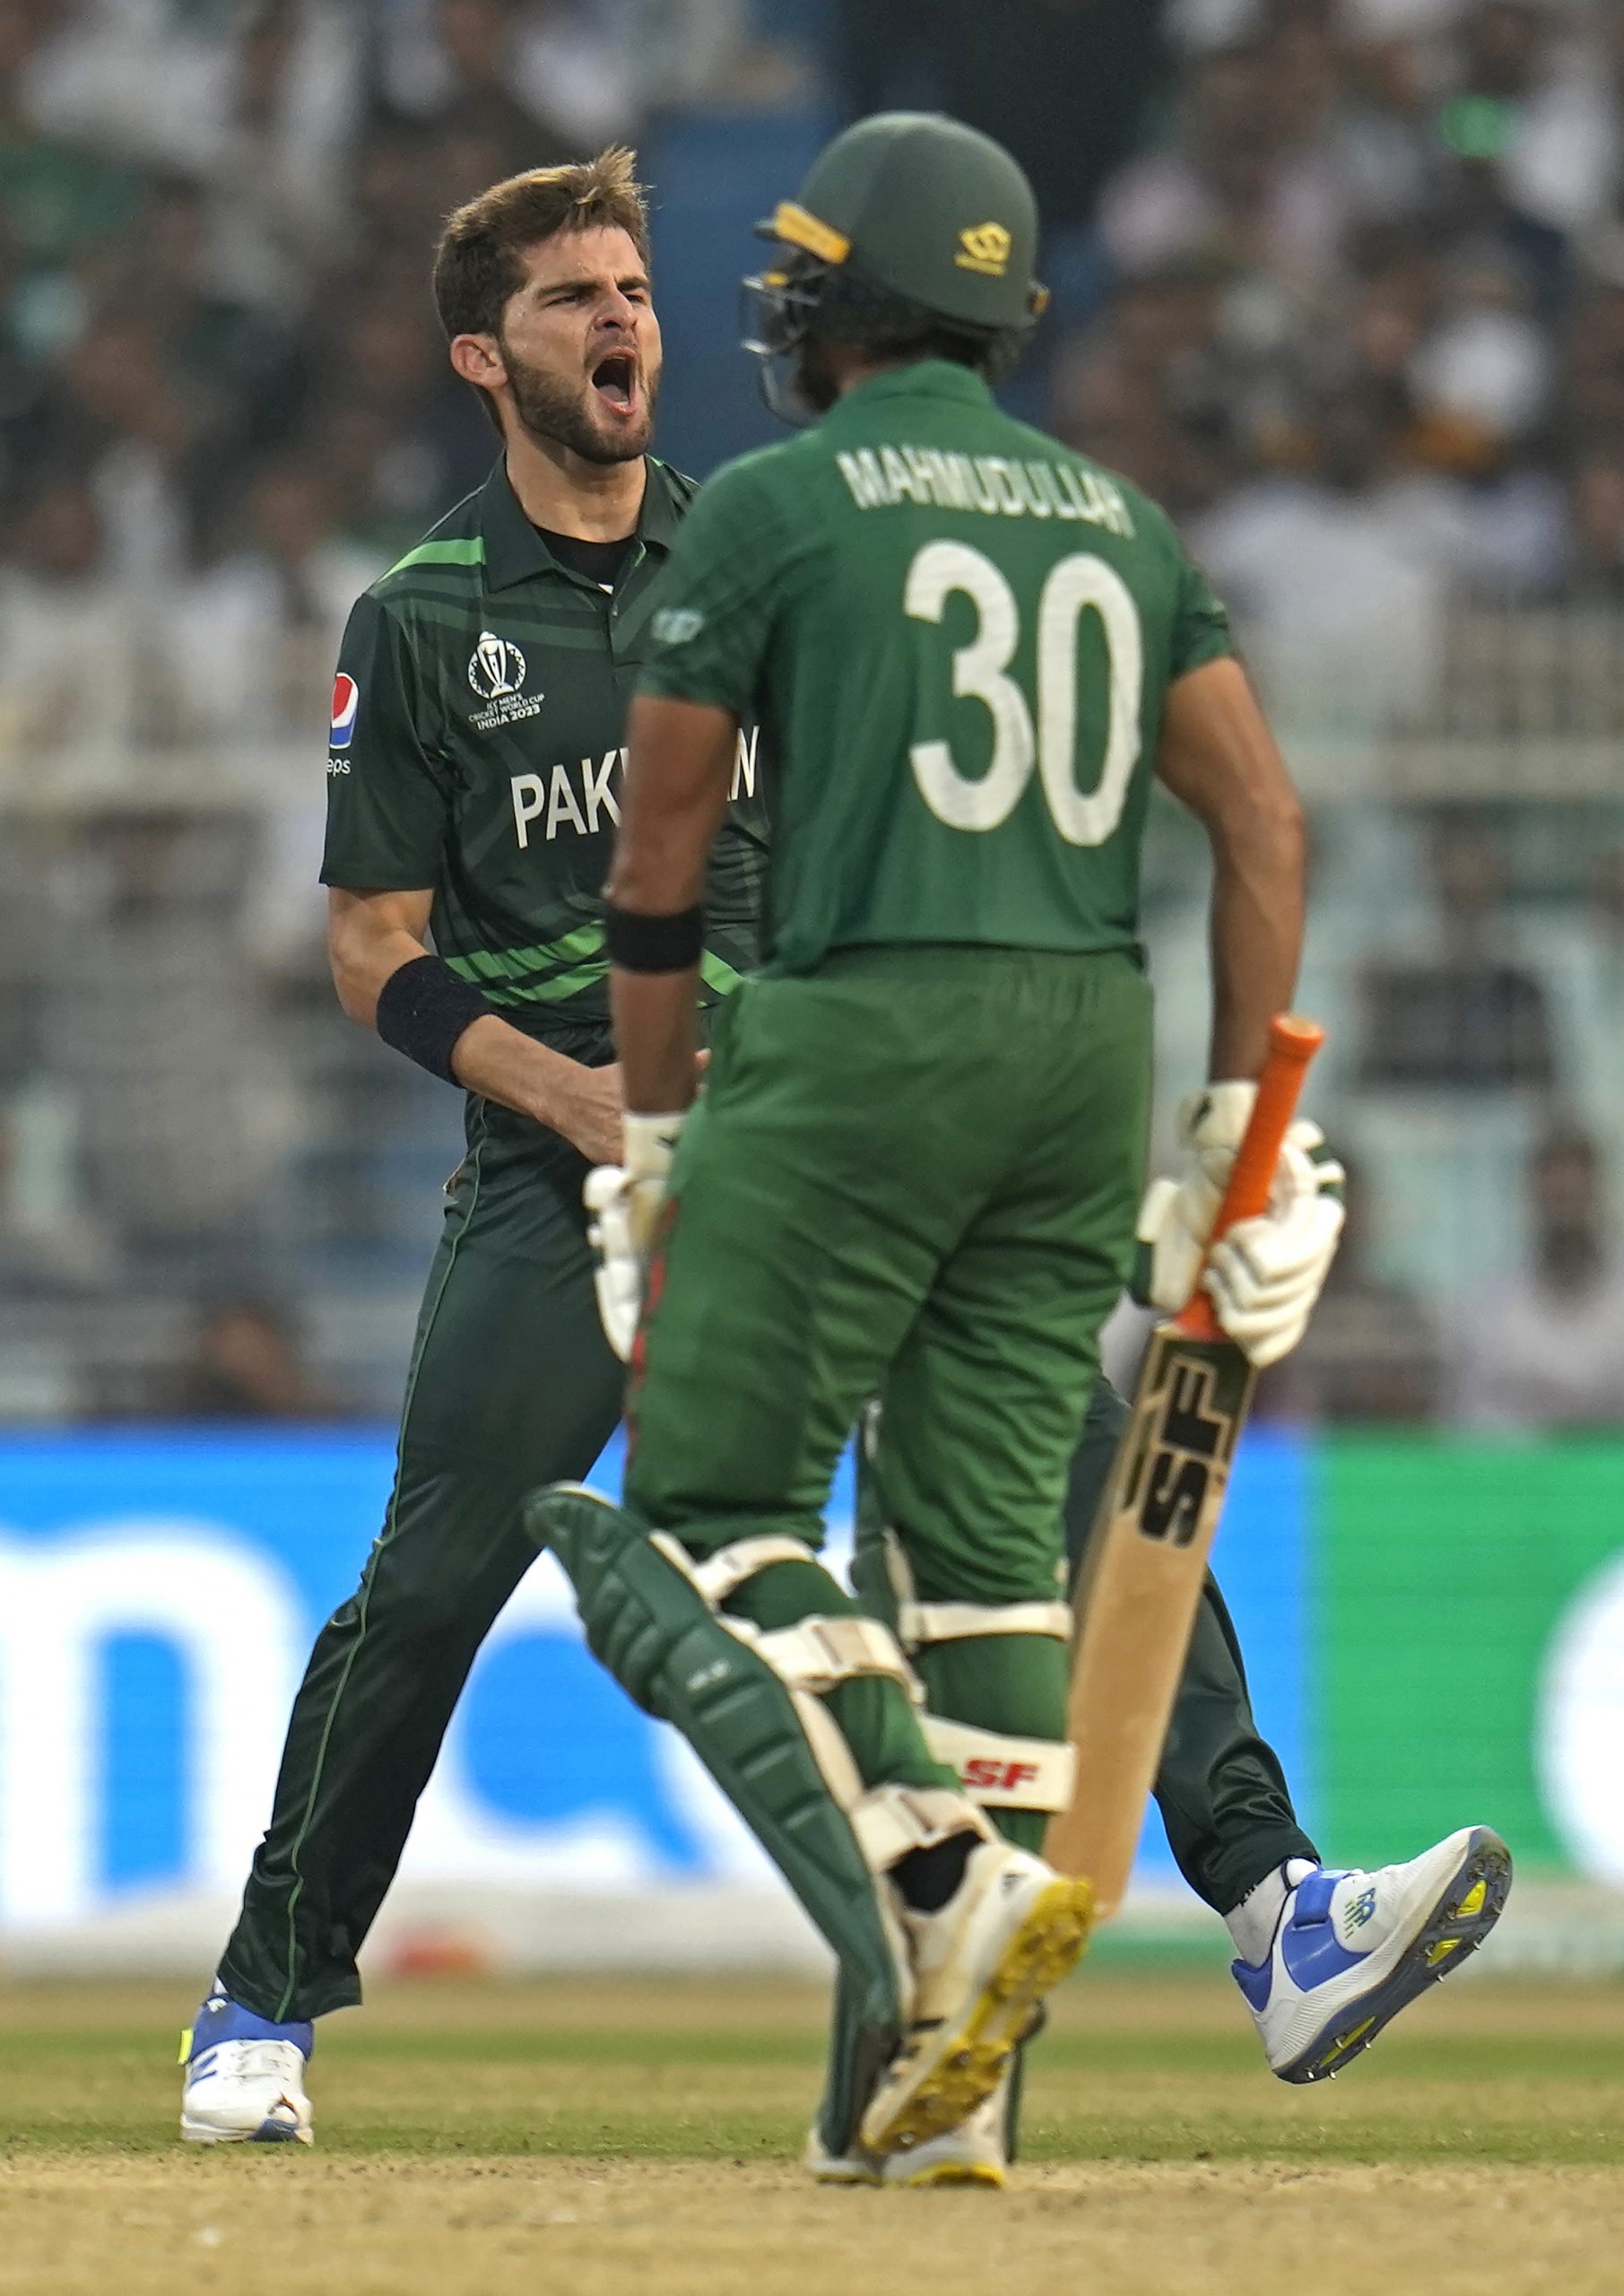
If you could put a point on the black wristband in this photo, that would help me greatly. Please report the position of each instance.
(640, 944)
(423, 1008)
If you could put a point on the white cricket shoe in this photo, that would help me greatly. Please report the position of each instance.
(1350, 1949)
(981, 1964)
(245, 2078)
(973, 2153)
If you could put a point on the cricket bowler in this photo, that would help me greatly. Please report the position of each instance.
(474, 781)
(914, 1172)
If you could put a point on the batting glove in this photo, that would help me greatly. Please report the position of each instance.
(625, 1201)
(1175, 1218)
(1265, 1276)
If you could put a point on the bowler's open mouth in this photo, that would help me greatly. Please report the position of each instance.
(615, 380)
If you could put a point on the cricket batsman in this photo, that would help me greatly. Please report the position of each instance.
(915, 1170)
(474, 785)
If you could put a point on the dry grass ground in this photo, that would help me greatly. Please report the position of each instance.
(603, 2139)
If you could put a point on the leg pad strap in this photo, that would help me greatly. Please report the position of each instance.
(919, 1624)
(889, 1821)
(821, 1652)
(725, 1572)
(1000, 1772)
(816, 1654)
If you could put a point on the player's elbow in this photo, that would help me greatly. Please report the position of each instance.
(354, 1000)
(1271, 830)
(640, 890)
(655, 870)
(1286, 826)
(355, 980)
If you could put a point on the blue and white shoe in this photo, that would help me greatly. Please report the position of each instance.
(245, 2078)
(1351, 1949)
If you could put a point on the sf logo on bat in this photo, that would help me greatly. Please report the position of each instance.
(1189, 1435)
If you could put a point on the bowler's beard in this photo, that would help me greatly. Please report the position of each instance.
(550, 408)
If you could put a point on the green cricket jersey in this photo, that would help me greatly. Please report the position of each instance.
(959, 636)
(478, 718)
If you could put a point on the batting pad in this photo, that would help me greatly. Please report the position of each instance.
(749, 1703)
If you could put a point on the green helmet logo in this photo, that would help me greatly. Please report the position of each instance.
(987, 249)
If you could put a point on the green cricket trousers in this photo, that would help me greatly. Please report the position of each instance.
(512, 1385)
(913, 1175)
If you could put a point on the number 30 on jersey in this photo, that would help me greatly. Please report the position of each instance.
(1074, 587)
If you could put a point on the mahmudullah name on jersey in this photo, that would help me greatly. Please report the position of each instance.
(998, 485)
(581, 803)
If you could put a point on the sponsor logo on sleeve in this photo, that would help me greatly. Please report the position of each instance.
(497, 672)
(677, 625)
(346, 700)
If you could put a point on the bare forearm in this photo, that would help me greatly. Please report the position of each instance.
(679, 758)
(1257, 934)
(657, 1035)
(492, 1056)
(1219, 758)
(501, 1064)
(371, 937)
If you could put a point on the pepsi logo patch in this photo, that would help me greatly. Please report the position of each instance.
(346, 697)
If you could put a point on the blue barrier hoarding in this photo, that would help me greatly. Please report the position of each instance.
(159, 1594)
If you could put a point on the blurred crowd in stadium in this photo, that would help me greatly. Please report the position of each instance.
(1341, 282)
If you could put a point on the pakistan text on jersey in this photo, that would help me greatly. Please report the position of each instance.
(582, 800)
(998, 485)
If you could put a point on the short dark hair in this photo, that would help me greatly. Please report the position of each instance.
(477, 263)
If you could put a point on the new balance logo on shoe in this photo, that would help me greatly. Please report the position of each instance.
(1356, 1914)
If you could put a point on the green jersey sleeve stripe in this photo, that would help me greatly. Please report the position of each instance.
(507, 981)
(717, 973)
(550, 992)
(469, 550)
(586, 943)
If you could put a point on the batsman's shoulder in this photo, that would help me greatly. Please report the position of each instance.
(754, 498)
(1126, 506)
(763, 469)
(734, 477)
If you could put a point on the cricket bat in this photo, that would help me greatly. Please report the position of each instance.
(1141, 1579)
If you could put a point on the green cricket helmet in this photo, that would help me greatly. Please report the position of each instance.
(915, 208)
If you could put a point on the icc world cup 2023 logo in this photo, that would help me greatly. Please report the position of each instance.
(497, 667)
(496, 672)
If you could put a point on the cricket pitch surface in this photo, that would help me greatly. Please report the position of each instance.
(604, 2138)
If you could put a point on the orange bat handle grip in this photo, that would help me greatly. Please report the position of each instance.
(1292, 1045)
